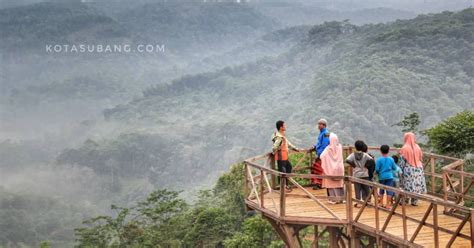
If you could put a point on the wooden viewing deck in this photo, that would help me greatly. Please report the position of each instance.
(440, 219)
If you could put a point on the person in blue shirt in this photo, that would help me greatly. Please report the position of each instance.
(321, 144)
(384, 167)
(323, 137)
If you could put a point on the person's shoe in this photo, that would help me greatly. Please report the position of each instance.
(332, 202)
(357, 205)
(414, 204)
(317, 187)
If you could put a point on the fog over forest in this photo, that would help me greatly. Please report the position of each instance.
(82, 130)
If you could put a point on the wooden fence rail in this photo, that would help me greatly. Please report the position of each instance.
(270, 198)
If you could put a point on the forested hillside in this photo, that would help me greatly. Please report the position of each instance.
(363, 79)
(80, 132)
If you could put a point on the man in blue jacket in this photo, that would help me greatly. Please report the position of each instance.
(322, 142)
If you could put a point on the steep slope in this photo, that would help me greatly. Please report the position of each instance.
(422, 65)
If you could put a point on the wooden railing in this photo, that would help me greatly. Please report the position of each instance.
(457, 184)
(261, 180)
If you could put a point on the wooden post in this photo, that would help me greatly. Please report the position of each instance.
(435, 225)
(246, 185)
(404, 218)
(350, 228)
(262, 189)
(462, 182)
(333, 237)
(273, 177)
(355, 239)
(445, 190)
(348, 200)
(472, 227)
(282, 195)
(433, 166)
(377, 221)
(350, 167)
(316, 237)
(287, 233)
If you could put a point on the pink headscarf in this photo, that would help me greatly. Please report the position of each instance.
(411, 151)
(333, 162)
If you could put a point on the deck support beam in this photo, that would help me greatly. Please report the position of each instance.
(287, 232)
(315, 243)
(333, 236)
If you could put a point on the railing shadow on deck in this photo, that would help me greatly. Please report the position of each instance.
(448, 187)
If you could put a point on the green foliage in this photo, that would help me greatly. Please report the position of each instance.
(45, 244)
(137, 226)
(163, 219)
(410, 123)
(454, 135)
(209, 227)
(229, 192)
(294, 159)
(256, 232)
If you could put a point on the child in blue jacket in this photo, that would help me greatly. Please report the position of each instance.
(384, 167)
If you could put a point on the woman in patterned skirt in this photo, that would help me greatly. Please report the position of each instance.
(411, 157)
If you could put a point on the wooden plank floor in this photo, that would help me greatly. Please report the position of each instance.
(298, 204)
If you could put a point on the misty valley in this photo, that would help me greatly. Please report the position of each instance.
(140, 143)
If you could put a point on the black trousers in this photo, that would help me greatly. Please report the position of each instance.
(284, 166)
(362, 191)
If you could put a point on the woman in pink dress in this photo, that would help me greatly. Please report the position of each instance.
(333, 165)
